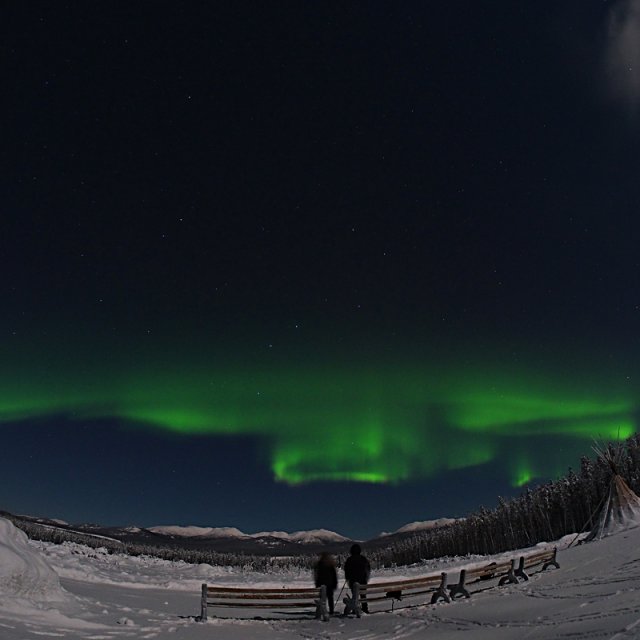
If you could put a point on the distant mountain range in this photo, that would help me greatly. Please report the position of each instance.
(316, 536)
(413, 527)
(230, 539)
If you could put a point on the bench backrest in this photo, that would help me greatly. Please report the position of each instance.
(240, 597)
(292, 597)
(409, 587)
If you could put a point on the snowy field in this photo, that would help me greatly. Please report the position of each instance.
(71, 591)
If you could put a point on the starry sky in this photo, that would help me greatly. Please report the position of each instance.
(297, 265)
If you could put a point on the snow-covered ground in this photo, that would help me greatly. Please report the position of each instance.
(71, 591)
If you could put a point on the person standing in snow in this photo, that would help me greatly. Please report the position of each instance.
(324, 573)
(357, 569)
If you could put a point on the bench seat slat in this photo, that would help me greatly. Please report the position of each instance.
(263, 605)
(408, 594)
(293, 595)
(535, 562)
(488, 570)
(399, 586)
(305, 590)
(538, 558)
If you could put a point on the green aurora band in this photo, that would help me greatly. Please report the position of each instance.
(331, 423)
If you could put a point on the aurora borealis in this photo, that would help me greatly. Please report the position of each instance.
(314, 265)
(376, 424)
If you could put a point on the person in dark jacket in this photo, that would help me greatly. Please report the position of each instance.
(324, 573)
(357, 569)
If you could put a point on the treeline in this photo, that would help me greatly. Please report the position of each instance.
(261, 563)
(568, 505)
(545, 513)
(47, 533)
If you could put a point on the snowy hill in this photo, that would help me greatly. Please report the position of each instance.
(315, 536)
(423, 525)
(198, 532)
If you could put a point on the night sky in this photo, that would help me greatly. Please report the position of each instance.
(290, 265)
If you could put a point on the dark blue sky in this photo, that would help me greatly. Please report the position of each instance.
(409, 226)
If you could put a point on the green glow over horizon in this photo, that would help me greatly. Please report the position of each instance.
(524, 476)
(375, 424)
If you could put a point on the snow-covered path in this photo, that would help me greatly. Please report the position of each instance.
(595, 594)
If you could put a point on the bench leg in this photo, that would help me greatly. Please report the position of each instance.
(203, 603)
(459, 589)
(321, 605)
(441, 591)
(552, 562)
(520, 572)
(510, 577)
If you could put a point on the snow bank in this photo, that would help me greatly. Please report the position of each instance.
(24, 573)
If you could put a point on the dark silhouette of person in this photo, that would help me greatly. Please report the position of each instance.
(324, 573)
(357, 569)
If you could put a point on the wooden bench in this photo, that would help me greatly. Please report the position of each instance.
(436, 584)
(240, 597)
(396, 590)
(505, 572)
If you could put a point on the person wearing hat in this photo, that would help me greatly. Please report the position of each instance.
(357, 569)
